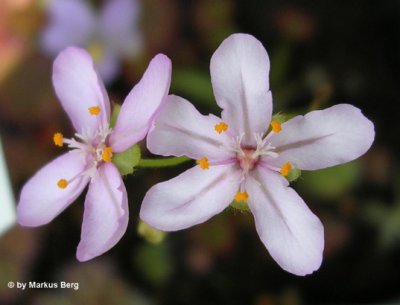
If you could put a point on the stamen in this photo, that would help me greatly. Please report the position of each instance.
(276, 126)
(62, 183)
(241, 196)
(203, 163)
(285, 169)
(107, 154)
(58, 139)
(95, 110)
(221, 127)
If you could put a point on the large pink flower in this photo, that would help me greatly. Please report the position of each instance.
(238, 159)
(60, 182)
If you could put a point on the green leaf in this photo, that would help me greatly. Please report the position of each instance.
(127, 160)
(114, 115)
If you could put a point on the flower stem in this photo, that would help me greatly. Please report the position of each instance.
(165, 162)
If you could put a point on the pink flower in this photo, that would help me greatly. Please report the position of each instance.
(60, 182)
(238, 159)
(110, 35)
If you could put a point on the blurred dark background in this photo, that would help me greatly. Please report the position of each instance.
(322, 53)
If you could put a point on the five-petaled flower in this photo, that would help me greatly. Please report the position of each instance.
(59, 183)
(109, 36)
(239, 159)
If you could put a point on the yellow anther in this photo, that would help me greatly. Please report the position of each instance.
(107, 154)
(276, 126)
(203, 163)
(62, 183)
(58, 139)
(221, 127)
(241, 196)
(285, 169)
(95, 110)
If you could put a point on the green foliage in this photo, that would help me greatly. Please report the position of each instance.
(386, 218)
(331, 182)
(127, 160)
(194, 83)
(154, 262)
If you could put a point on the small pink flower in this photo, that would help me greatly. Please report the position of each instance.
(238, 159)
(111, 35)
(59, 183)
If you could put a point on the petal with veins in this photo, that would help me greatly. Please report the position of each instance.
(239, 75)
(323, 138)
(41, 199)
(293, 235)
(180, 130)
(106, 213)
(190, 198)
(141, 105)
(79, 87)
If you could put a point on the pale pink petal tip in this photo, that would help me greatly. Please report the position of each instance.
(292, 234)
(240, 79)
(324, 138)
(79, 87)
(41, 199)
(142, 104)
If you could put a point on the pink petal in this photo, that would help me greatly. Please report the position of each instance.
(41, 199)
(119, 27)
(180, 130)
(324, 138)
(239, 74)
(71, 22)
(106, 214)
(190, 198)
(293, 235)
(78, 88)
(142, 103)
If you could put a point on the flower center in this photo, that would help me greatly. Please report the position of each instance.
(247, 158)
(92, 143)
